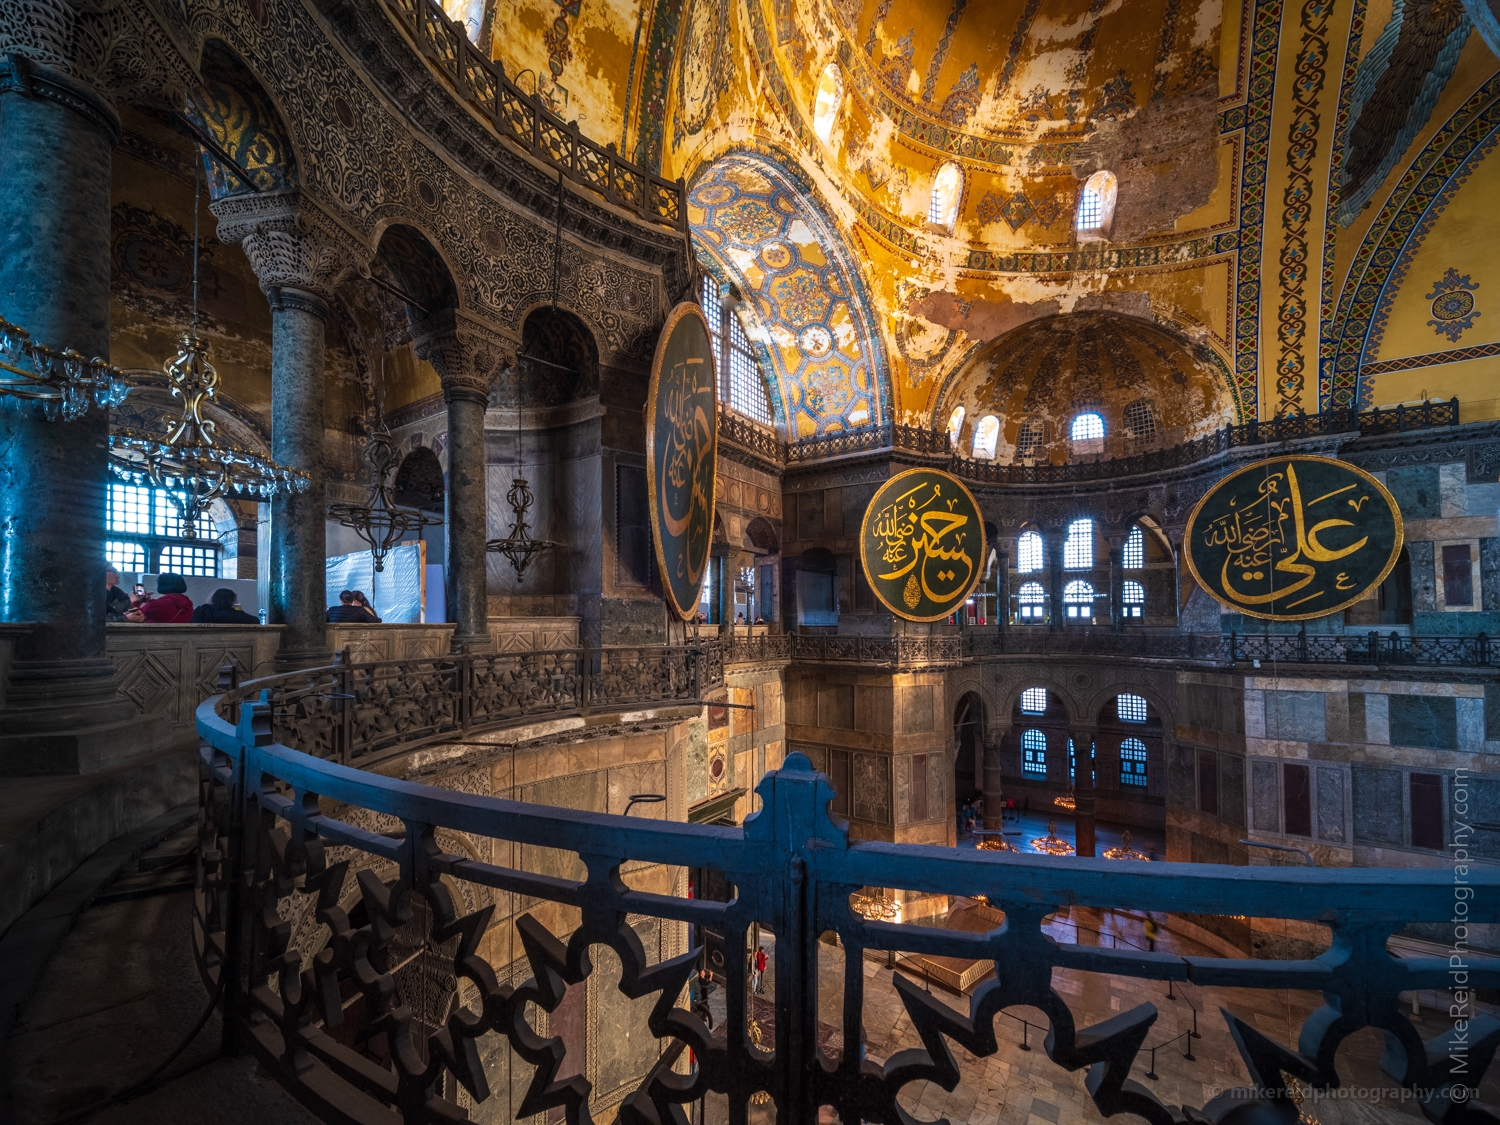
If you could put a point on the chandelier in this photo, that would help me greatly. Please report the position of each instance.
(379, 522)
(875, 908)
(520, 546)
(187, 464)
(64, 382)
(1051, 844)
(1126, 852)
(995, 844)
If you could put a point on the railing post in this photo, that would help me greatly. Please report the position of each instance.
(1373, 643)
(346, 707)
(1302, 645)
(1482, 649)
(465, 670)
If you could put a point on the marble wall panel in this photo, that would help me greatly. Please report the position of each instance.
(1330, 811)
(1425, 721)
(1417, 489)
(1377, 805)
(836, 706)
(1470, 723)
(1489, 574)
(1232, 789)
(1296, 716)
(1453, 490)
(1423, 577)
(1265, 796)
(1377, 719)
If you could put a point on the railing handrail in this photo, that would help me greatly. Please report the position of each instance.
(523, 119)
(922, 441)
(269, 812)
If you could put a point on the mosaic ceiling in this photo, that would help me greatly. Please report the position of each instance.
(1055, 368)
(761, 230)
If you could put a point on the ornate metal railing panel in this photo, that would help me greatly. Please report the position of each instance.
(522, 118)
(356, 713)
(768, 648)
(1362, 648)
(277, 823)
(898, 651)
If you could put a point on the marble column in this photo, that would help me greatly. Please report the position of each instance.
(1083, 788)
(994, 799)
(1117, 585)
(466, 356)
(54, 282)
(1002, 589)
(1054, 539)
(299, 256)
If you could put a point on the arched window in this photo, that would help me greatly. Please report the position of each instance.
(1130, 708)
(1034, 701)
(1078, 598)
(149, 535)
(947, 186)
(826, 105)
(1031, 437)
(955, 426)
(1134, 555)
(1087, 427)
(741, 384)
(986, 434)
(1133, 599)
(1140, 418)
(1078, 548)
(1133, 762)
(1029, 554)
(1096, 207)
(1033, 602)
(1034, 753)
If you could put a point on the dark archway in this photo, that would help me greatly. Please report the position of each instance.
(558, 363)
(233, 108)
(968, 742)
(418, 270)
(419, 481)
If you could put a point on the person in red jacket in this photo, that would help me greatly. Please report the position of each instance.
(171, 606)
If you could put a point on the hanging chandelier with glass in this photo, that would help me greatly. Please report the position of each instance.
(379, 521)
(187, 463)
(64, 382)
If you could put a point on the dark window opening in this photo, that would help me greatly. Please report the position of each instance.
(1208, 782)
(1297, 799)
(1458, 575)
(1427, 810)
(1395, 593)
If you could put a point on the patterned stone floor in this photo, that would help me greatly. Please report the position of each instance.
(1018, 1086)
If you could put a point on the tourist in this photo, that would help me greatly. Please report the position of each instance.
(349, 611)
(757, 978)
(171, 606)
(116, 600)
(364, 604)
(221, 610)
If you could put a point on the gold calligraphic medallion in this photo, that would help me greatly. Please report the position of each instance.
(1293, 538)
(682, 437)
(922, 544)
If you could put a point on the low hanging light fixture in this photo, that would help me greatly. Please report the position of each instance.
(380, 522)
(187, 464)
(520, 546)
(1125, 851)
(64, 382)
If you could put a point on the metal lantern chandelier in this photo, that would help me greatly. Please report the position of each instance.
(379, 522)
(64, 382)
(187, 464)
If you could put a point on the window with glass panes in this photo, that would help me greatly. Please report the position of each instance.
(1130, 708)
(1078, 597)
(1034, 701)
(146, 533)
(1033, 600)
(1133, 762)
(1029, 553)
(1133, 557)
(1133, 597)
(1034, 753)
(741, 385)
(1078, 548)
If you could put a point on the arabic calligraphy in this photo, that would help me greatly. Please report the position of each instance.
(922, 544)
(1293, 538)
(683, 438)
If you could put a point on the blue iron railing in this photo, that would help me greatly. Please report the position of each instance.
(279, 824)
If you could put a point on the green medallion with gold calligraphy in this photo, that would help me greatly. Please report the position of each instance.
(682, 436)
(1293, 538)
(922, 544)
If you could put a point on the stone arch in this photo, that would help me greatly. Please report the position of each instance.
(557, 364)
(832, 374)
(419, 481)
(1008, 697)
(969, 729)
(1153, 696)
(761, 535)
(234, 107)
(418, 268)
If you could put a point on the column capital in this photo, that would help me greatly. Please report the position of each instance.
(294, 244)
(466, 352)
(91, 56)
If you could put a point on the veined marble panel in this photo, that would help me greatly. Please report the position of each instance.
(167, 670)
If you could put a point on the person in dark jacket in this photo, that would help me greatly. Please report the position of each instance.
(220, 610)
(349, 611)
(116, 600)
